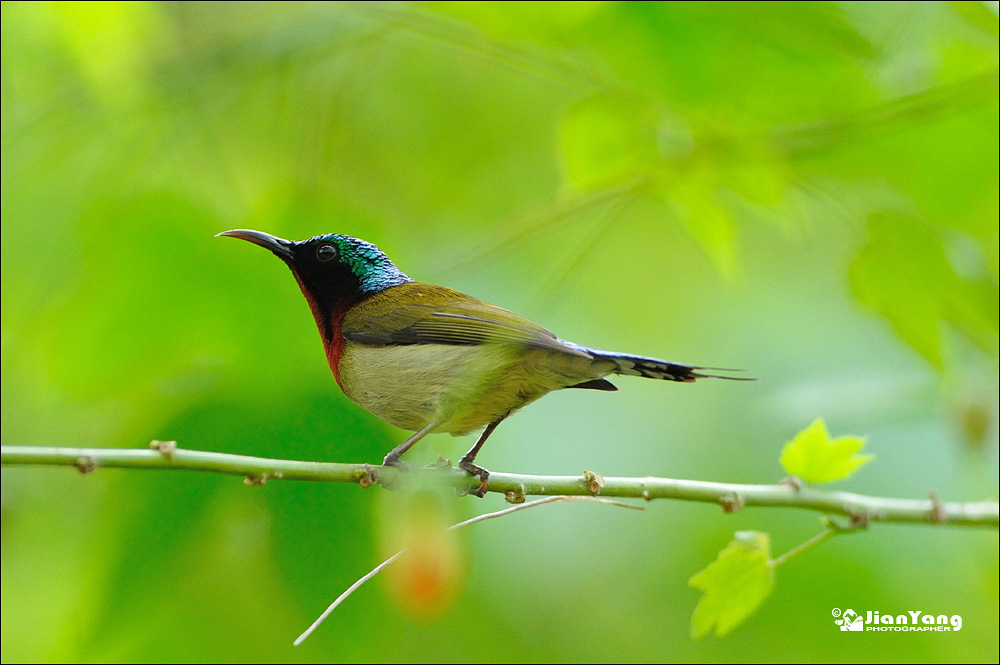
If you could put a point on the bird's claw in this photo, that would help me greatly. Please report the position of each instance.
(479, 472)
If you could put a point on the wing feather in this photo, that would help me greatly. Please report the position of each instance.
(454, 319)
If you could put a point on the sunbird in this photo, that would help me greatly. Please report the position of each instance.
(428, 358)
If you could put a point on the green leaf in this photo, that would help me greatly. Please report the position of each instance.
(735, 584)
(606, 141)
(816, 458)
(110, 42)
(977, 14)
(694, 200)
(906, 275)
(546, 23)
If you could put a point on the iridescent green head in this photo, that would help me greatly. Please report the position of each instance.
(333, 270)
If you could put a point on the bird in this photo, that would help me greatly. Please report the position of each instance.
(427, 358)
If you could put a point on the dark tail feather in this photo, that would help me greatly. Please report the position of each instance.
(653, 368)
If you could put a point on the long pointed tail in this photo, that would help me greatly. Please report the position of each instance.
(654, 368)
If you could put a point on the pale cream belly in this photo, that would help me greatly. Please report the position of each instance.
(463, 388)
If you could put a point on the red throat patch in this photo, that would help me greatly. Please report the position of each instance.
(335, 346)
(333, 340)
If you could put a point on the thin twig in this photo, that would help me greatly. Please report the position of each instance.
(804, 547)
(454, 527)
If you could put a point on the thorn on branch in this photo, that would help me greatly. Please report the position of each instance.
(166, 448)
(732, 503)
(938, 514)
(441, 463)
(515, 496)
(255, 481)
(593, 482)
(792, 481)
(86, 464)
(856, 522)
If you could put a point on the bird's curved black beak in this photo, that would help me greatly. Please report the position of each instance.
(282, 248)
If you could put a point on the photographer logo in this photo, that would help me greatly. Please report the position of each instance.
(911, 620)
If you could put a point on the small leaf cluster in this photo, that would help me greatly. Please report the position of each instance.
(743, 575)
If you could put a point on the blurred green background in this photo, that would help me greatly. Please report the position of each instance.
(805, 190)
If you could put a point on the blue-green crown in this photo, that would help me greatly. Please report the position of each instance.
(369, 264)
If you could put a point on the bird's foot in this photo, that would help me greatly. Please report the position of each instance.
(466, 465)
(395, 481)
(396, 462)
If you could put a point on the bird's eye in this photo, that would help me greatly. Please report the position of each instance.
(326, 252)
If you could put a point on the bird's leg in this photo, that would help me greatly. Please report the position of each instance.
(466, 463)
(392, 459)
